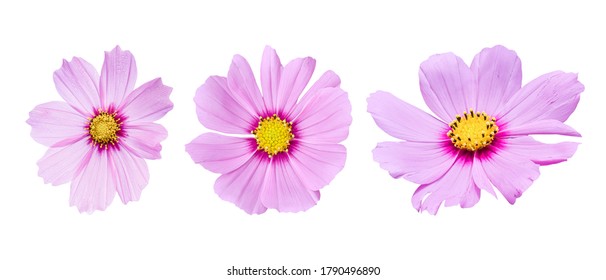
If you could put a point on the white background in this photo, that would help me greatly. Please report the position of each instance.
(181, 230)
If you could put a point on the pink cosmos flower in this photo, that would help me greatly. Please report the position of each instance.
(288, 146)
(481, 136)
(99, 137)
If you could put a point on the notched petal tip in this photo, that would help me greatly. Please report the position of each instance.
(77, 82)
(268, 49)
(552, 96)
(421, 206)
(499, 48)
(447, 85)
(439, 56)
(116, 49)
(147, 103)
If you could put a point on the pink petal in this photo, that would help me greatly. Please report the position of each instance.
(470, 198)
(285, 189)
(455, 187)
(243, 186)
(499, 74)
(552, 96)
(243, 87)
(78, 83)
(56, 124)
(294, 79)
(447, 85)
(548, 126)
(404, 121)
(147, 103)
(271, 71)
(480, 178)
(118, 76)
(131, 175)
(143, 139)
(509, 172)
(540, 153)
(219, 153)
(94, 187)
(60, 164)
(328, 80)
(417, 162)
(325, 117)
(316, 164)
(218, 109)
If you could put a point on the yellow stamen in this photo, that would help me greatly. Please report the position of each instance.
(472, 131)
(273, 135)
(103, 129)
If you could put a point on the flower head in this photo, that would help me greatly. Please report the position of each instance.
(99, 137)
(288, 147)
(480, 137)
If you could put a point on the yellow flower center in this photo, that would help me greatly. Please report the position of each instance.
(103, 129)
(472, 131)
(273, 135)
